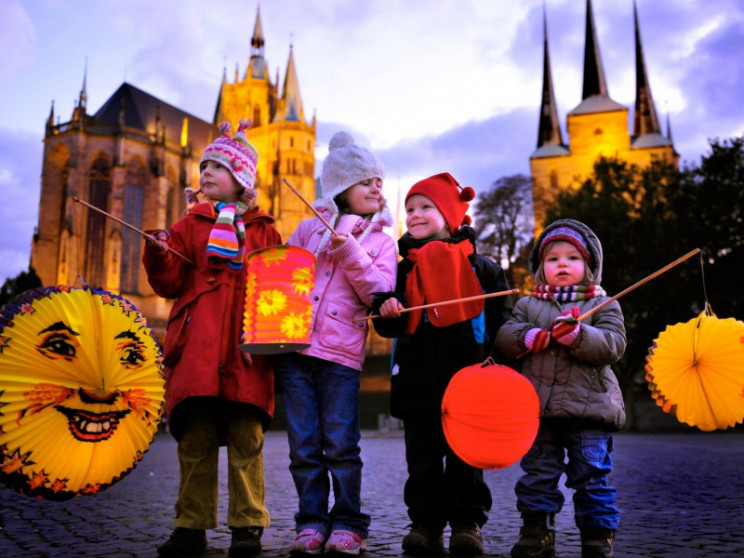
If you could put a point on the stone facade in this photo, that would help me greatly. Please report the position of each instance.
(134, 157)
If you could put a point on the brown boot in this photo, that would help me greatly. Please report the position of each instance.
(184, 542)
(246, 541)
(423, 540)
(466, 541)
(536, 537)
(596, 542)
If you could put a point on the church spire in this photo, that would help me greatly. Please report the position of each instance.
(594, 76)
(83, 99)
(291, 99)
(257, 62)
(257, 40)
(645, 120)
(549, 129)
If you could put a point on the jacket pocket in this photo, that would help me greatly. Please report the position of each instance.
(338, 333)
(175, 339)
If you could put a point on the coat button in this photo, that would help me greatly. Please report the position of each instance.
(211, 279)
(373, 252)
(334, 312)
(328, 273)
(316, 298)
(361, 324)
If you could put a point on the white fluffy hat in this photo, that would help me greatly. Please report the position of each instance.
(347, 163)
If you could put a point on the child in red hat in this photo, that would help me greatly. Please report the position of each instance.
(215, 394)
(439, 263)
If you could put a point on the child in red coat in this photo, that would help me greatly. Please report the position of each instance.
(215, 393)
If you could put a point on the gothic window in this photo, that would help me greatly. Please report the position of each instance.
(553, 179)
(175, 202)
(291, 141)
(95, 228)
(256, 117)
(134, 197)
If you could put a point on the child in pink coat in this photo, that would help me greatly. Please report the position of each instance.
(320, 384)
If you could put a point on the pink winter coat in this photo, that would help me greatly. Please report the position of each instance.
(200, 352)
(345, 280)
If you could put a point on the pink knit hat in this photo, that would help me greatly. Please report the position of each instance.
(235, 153)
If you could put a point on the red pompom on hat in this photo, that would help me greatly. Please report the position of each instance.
(450, 198)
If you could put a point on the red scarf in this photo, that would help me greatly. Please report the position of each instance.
(442, 271)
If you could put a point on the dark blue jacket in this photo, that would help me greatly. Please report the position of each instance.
(424, 362)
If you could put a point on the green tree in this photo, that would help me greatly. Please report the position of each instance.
(504, 220)
(24, 281)
(710, 206)
(647, 218)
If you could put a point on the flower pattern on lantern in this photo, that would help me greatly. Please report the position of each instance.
(294, 326)
(303, 281)
(271, 302)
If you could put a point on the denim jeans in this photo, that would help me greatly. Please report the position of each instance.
(586, 470)
(321, 401)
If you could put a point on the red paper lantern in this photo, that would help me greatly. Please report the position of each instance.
(490, 415)
(278, 309)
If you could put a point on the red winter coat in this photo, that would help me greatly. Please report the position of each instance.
(200, 352)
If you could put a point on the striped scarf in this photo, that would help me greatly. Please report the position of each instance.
(568, 294)
(227, 239)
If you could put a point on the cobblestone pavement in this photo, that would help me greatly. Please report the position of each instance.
(681, 495)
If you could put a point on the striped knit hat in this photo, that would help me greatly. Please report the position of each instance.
(235, 153)
(570, 235)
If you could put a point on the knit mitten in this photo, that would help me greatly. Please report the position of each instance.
(565, 329)
(537, 339)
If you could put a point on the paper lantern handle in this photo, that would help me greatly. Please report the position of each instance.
(132, 227)
(307, 203)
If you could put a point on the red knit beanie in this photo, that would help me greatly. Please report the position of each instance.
(450, 198)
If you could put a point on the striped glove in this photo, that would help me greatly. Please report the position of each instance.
(565, 329)
(537, 339)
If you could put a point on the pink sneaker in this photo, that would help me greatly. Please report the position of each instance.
(308, 541)
(345, 542)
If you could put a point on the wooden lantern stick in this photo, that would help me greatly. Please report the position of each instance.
(643, 281)
(132, 227)
(307, 203)
(634, 286)
(453, 301)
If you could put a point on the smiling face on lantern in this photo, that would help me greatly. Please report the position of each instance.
(83, 370)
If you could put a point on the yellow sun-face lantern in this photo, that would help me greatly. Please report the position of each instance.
(81, 391)
(278, 309)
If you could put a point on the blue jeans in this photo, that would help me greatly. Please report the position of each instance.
(586, 470)
(321, 401)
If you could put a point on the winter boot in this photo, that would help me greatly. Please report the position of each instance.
(536, 537)
(466, 541)
(596, 542)
(184, 542)
(423, 540)
(246, 541)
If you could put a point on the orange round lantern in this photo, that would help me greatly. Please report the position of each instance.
(278, 310)
(490, 415)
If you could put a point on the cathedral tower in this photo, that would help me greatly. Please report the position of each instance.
(280, 133)
(134, 157)
(598, 126)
